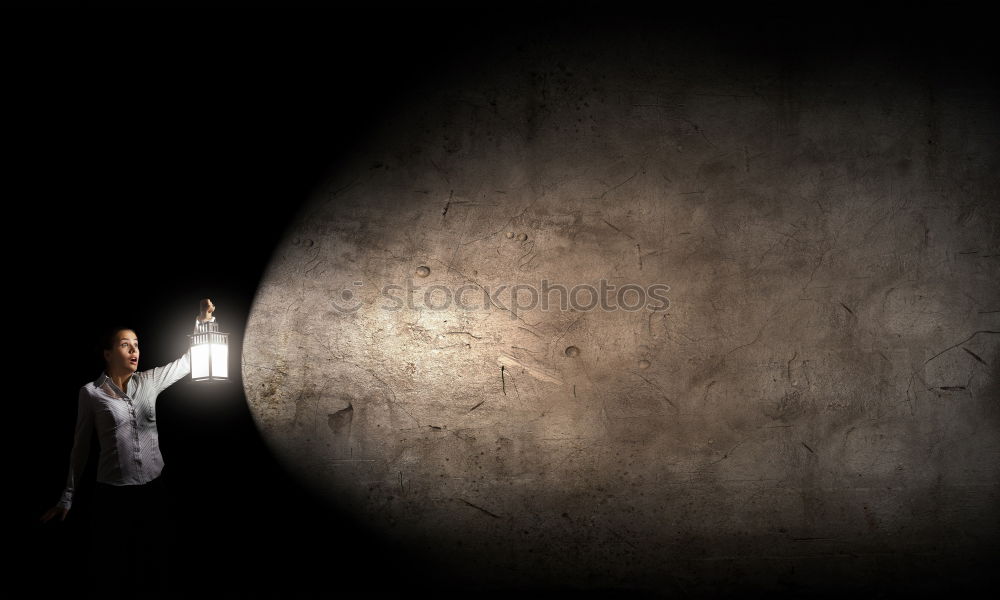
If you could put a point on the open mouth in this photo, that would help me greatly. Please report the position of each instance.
(133, 361)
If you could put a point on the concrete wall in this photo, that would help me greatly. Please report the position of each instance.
(815, 408)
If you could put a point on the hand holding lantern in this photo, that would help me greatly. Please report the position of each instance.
(209, 348)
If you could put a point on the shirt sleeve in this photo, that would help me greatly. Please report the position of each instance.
(169, 374)
(81, 448)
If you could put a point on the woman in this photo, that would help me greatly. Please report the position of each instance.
(120, 407)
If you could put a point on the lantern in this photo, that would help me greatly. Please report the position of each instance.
(209, 353)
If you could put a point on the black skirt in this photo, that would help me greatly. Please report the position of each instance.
(131, 538)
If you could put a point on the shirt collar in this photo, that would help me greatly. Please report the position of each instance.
(104, 377)
(100, 379)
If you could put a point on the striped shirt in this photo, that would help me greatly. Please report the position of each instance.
(125, 424)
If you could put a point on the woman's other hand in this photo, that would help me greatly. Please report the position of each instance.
(207, 308)
(55, 511)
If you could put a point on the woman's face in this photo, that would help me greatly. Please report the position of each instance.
(124, 355)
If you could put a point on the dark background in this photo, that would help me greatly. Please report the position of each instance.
(160, 159)
(164, 159)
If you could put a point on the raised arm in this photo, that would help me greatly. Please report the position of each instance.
(165, 376)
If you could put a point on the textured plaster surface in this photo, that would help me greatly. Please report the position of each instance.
(818, 399)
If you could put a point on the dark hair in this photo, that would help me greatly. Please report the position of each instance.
(108, 339)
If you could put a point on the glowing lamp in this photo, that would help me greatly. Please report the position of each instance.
(209, 353)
